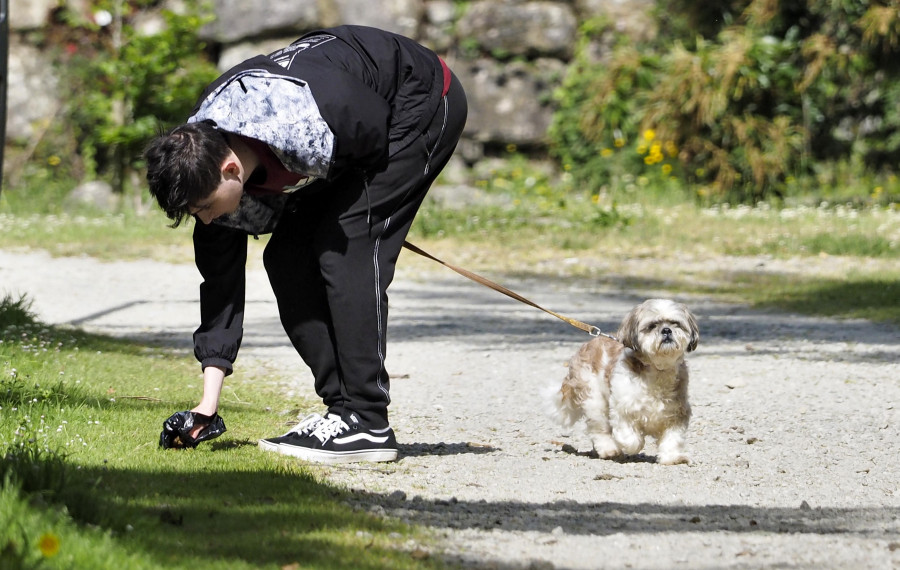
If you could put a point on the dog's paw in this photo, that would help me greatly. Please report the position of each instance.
(605, 447)
(673, 459)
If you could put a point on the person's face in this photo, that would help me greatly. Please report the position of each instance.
(225, 199)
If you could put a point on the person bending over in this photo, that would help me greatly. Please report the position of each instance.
(330, 144)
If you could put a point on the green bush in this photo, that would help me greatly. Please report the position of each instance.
(124, 84)
(775, 91)
(596, 128)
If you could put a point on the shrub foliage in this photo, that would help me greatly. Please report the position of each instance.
(125, 83)
(743, 98)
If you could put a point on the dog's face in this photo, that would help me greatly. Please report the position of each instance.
(660, 332)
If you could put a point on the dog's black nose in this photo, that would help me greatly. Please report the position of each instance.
(666, 331)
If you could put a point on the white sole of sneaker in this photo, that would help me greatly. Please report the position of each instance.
(267, 445)
(332, 457)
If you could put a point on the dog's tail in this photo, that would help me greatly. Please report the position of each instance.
(559, 407)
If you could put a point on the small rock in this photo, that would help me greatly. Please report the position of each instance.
(419, 554)
(397, 496)
(606, 477)
(95, 193)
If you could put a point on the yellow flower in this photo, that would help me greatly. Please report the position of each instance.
(649, 159)
(54, 160)
(642, 149)
(671, 149)
(49, 545)
(606, 152)
(511, 147)
(595, 198)
(666, 168)
(649, 135)
(619, 142)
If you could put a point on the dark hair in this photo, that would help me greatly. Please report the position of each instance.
(184, 167)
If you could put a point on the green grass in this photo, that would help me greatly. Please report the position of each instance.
(111, 236)
(533, 228)
(828, 260)
(856, 296)
(80, 417)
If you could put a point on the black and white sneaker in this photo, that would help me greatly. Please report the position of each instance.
(306, 426)
(335, 441)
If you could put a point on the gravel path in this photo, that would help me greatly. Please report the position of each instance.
(795, 437)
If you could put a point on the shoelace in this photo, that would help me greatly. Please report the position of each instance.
(329, 427)
(307, 424)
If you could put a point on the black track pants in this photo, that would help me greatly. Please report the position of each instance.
(332, 256)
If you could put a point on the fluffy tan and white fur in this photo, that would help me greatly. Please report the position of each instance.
(638, 387)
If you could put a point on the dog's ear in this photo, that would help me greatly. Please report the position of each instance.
(629, 329)
(694, 329)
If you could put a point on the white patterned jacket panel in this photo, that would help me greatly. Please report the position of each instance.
(278, 110)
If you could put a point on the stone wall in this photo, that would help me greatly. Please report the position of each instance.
(508, 54)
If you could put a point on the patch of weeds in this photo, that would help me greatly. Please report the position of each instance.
(31, 467)
(852, 245)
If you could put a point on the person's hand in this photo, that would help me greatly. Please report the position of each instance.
(176, 433)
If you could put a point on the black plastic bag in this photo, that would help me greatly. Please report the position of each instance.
(176, 430)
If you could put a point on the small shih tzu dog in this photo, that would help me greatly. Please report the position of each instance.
(634, 388)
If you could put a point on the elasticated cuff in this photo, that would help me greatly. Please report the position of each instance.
(220, 362)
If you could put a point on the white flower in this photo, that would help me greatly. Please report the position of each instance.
(103, 18)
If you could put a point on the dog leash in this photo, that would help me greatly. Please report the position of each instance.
(590, 329)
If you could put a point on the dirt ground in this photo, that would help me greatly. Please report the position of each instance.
(794, 441)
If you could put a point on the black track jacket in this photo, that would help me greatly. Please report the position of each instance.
(338, 99)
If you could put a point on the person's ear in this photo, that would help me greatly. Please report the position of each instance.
(231, 168)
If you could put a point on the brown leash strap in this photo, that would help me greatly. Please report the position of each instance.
(590, 329)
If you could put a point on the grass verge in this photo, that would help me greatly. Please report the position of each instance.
(84, 485)
(829, 260)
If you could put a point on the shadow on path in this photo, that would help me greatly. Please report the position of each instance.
(454, 310)
(600, 519)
